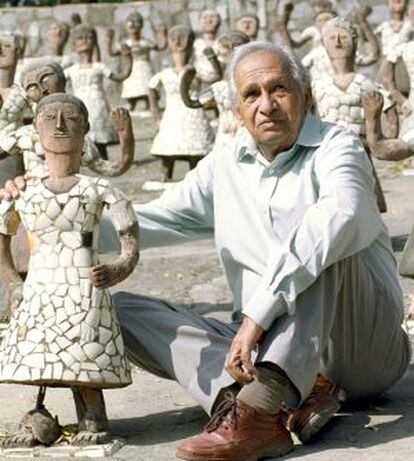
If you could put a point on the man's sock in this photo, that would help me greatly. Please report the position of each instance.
(270, 391)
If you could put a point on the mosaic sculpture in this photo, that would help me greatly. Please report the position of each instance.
(64, 331)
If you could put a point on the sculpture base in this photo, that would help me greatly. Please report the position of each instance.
(64, 451)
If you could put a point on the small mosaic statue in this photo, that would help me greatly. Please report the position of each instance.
(12, 99)
(184, 133)
(206, 69)
(249, 24)
(135, 87)
(218, 94)
(396, 149)
(87, 78)
(339, 96)
(403, 54)
(64, 332)
(39, 80)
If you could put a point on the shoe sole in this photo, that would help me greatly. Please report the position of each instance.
(317, 422)
(268, 452)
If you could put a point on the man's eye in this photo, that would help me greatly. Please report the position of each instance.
(250, 96)
(279, 88)
(50, 116)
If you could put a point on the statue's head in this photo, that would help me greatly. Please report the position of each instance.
(181, 38)
(227, 42)
(75, 19)
(11, 48)
(340, 38)
(84, 38)
(249, 24)
(134, 22)
(62, 122)
(210, 20)
(58, 33)
(398, 6)
(42, 78)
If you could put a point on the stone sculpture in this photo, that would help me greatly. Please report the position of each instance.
(87, 77)
(249, 24)
(135, 87)
(382, 148)
(217, 95)
(403, 53)
(39, 80)
(64, 331)
(210, 22)
(184, 133)
(339, 96)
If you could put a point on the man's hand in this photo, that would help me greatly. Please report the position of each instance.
(239, 362)
(121, 119)
(13, 187)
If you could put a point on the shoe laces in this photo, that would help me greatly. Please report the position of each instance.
(227, 409)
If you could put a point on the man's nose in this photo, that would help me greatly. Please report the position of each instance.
(338, 39)
(267, 103)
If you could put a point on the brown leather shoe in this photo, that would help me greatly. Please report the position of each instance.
(323, 402)
(238, 432)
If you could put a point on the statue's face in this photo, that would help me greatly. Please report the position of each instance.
(9, 52)
(57, 34)
(41, 82)
(178, 40)
(225, 48)
(133, 26)
(322, 18)
(210, 21)
(397, 6)
(61, 128)
(339, 43)
(84, 41)
(248, 26)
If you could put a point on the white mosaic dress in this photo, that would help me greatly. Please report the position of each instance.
(317, 63)
(344, 107)
(87, 85)
(205, 70)
(136, 84)
(26, 142)
(65, 331)
(390, 39)
(227, 122)
(183, 131)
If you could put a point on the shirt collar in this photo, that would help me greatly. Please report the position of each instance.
(309, 136)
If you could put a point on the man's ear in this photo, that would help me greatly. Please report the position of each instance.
(238, 117)
(87, 127)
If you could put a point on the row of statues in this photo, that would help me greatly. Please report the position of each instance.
(63, 330)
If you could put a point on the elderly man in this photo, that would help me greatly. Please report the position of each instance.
(317, 303)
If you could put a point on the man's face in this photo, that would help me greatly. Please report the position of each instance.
(270, 103)
(210, 21)
(41, 82)
(339, 43)
(8, 52)
(61, 128)
(248, 26)
(397, 6)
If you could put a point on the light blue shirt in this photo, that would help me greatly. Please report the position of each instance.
(278, 225)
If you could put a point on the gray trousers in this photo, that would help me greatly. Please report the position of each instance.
(346, 326)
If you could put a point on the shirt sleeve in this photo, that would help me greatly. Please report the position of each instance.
(343, 221)
(184, 212)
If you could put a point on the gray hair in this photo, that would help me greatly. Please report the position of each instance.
(341, 23)
(299, 73)
(44, 62)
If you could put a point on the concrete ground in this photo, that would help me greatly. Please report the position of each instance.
(152, 415)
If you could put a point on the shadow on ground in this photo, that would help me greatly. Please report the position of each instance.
(164, 427)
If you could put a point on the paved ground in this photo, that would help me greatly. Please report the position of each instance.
(153, 415)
